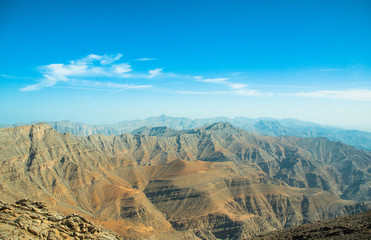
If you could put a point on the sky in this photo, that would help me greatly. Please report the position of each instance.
(107, 61)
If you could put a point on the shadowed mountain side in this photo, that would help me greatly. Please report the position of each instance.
(156, 131)
(143, 186)
(214, 198)
(300, 162)
(355, 227)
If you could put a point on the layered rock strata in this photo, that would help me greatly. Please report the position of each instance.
(214, 182)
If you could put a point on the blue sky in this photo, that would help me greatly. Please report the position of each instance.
(107, 61)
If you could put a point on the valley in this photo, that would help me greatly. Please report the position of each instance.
(213, 182)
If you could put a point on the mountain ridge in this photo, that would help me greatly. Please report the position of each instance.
(262, 126)
(215, 181)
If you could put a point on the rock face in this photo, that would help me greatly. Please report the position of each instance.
(356, 227)
(217, 181)
(32, 220)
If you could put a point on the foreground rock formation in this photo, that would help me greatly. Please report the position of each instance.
(213, 182)
(32, 220)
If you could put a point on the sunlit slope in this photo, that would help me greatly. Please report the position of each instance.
(215, 181)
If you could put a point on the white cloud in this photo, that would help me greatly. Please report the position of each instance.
(248, 92)
(155, 72)
(237, 86)
(104, 86)
(119, 86)
(91, 66)
(102, 59)
(30, 88)
(214, 80)
(122, 68)
(47, 81)
(104, 72)
(243, 92)
(349, 94)
(146, 59)
(203, 92)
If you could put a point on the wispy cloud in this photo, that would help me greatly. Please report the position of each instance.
(202, 92)
(103, 59)
(146, 59)
(111, 73)
(105, 86)
(6, 76)
(155, 72)
(331, 69)
(213, 80)
(234, 88)
(107, 72)
(349, 94)
(77, 71)
(237, 86)
(243, 92)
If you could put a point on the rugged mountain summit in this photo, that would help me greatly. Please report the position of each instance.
(156, 131)
(217, 181)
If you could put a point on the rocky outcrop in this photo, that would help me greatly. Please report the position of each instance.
(32, 220)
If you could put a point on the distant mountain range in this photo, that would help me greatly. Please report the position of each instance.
(261, 126)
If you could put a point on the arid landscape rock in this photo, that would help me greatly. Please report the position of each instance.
(217, 181)
(32, 220)
(354, 227)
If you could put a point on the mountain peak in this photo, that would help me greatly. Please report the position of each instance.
(219, 126)
(38, 127)
(162, 131)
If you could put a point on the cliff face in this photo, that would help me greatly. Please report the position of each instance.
(216, 181)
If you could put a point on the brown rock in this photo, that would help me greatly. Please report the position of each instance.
(34, 230)
(214, 182)
(22, 223)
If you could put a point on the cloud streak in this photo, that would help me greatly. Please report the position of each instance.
(111, 73)
(234, 88)
(331, 69)
(155, 72)
(349, 94)
(145, 59)
(92, 66)
(214, 80)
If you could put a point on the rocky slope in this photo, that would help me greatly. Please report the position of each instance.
(354, 227)
(213, 182)
(32, 220)
(300, 162)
